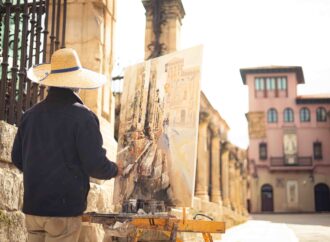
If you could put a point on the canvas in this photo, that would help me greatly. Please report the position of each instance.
(157, 143)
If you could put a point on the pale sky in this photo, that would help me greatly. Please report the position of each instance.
(238, 34)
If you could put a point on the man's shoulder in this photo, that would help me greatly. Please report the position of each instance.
(75, 111)
(35, 108)
(81, 111)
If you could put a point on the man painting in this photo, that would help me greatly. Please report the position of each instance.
(58, 146)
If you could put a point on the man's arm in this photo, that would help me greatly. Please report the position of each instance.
(92, 156)
(16, 153)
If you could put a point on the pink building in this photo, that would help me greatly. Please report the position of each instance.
(289, 150)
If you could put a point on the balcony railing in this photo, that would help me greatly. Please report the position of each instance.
(292, 161)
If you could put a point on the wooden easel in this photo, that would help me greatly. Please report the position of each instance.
(168, 225)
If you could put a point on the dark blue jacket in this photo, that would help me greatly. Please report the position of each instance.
(58, 146)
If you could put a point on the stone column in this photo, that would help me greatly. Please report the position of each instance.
(239, 190)
(225, 178)
(90, 31)
(240, 201)
(201, 189)
(215, 152)
(162, 32)
(244, 195)
(232, 181)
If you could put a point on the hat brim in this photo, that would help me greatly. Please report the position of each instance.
(81, 78)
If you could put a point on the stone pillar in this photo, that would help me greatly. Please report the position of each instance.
(232, 187)
(244, 195)
(239, 190)
(239, 197)
(162, 35)
(225, 178)
(201, 189)
(90, 31)
(215, 152)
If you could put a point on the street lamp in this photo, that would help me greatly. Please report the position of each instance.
(117, 79)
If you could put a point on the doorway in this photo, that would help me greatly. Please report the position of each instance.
(322, 197)
(267, 200)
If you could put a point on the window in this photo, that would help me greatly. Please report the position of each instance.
(281, 83)
(321, 115)
(317, 149)
(272, 115)
(288, 115)
(270, 83)
(305, 115)
(263, 151)
(259, 84)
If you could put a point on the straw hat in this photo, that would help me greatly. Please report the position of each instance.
(65, 71)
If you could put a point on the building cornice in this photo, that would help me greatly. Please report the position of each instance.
(206, 105)
(273, 69)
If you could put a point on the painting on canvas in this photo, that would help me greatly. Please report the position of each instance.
(157, 144)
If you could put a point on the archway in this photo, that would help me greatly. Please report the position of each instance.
(267, 200)
(322, 197)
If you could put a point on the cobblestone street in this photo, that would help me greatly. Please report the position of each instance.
(281, 228)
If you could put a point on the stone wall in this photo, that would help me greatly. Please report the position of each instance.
(12, 227)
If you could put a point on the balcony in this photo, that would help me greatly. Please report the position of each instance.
(291, 163)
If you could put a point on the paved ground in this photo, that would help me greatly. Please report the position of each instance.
(281, 228)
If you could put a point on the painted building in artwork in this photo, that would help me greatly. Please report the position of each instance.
(289, 150)
(180, 85)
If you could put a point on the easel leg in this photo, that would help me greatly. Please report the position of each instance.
(207, 237)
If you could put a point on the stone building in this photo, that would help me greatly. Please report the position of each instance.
(289, 151)
(221, 173)
(88, 28)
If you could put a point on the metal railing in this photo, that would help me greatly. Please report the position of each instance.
(298, 161)
(23, 43)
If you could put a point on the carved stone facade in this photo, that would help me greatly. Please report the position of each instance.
(163, 24)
